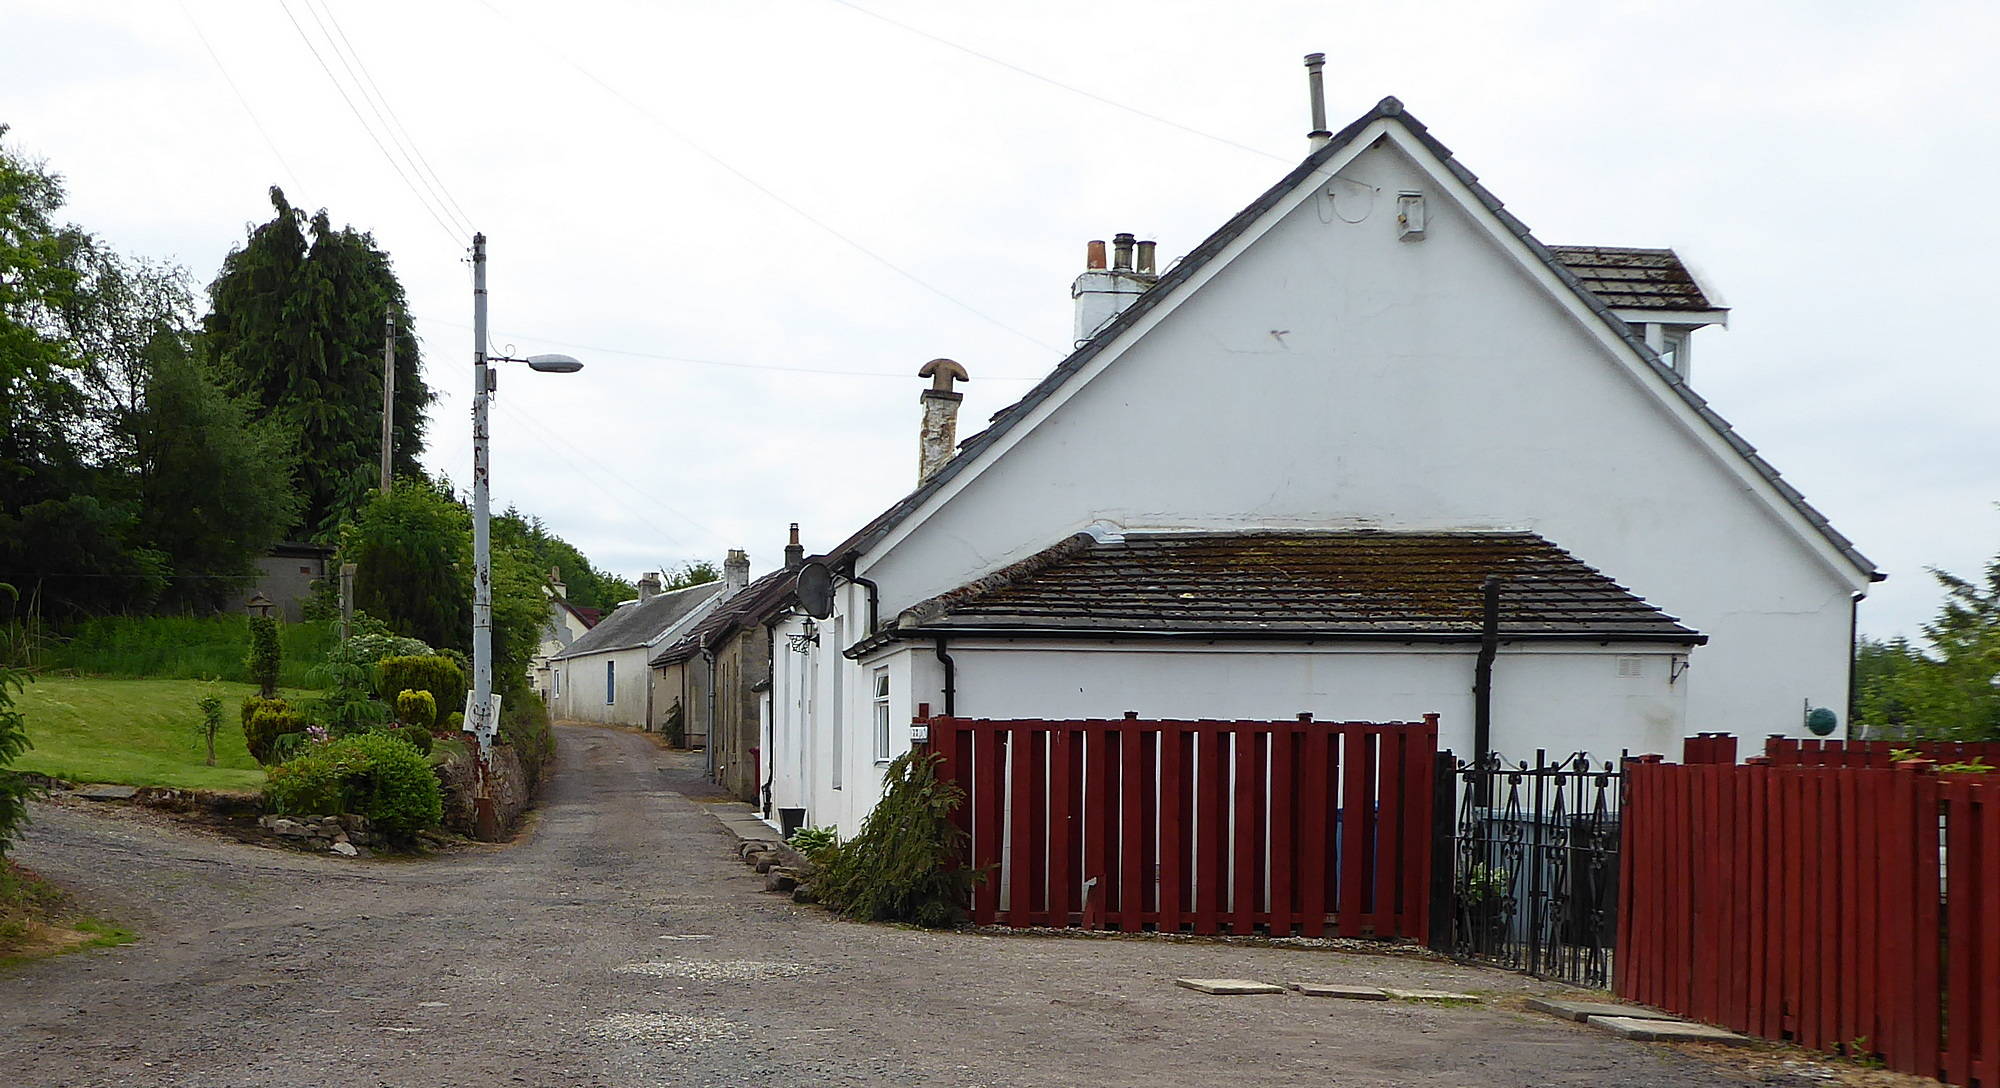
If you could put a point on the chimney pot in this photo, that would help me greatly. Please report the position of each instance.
(1316, 88)
(795, 553)
(1146, 257)
(1121, 253)
(1093, 253)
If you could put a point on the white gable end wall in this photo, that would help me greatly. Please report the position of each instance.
(1329, 374)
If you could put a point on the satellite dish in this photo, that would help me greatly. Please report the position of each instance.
(815, 590)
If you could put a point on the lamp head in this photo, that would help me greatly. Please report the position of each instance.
(554, 364)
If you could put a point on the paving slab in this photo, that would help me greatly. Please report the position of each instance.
(1351, 993)
(1580, 1011)
(1666, 1031)
(106, 793)
(1228, 986)
(1430, 995)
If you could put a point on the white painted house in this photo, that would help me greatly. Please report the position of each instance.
(602, 676)
(566, 623)
(1278, 477)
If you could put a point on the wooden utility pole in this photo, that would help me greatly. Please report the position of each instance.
(346, 600)
(388, 399)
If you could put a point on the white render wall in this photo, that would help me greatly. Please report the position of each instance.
(1562, 699)
(582, 698)
(1333, 376)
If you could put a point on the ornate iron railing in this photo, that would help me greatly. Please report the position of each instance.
(1534, 882)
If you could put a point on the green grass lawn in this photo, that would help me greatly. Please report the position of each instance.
(137, 732)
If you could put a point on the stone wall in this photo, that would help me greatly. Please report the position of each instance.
(512, 791)
(347, 835)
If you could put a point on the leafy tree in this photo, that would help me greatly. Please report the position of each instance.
(297, 317)
(700, 572)
(584, 584)
(14, 787)
(215, 489)
(412, 551)
(1949, 690)
(266, 657)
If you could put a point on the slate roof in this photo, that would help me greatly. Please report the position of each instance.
(1273, 583)
(1189, 266)
(751, 604)
(1634, 279)
(637, 623)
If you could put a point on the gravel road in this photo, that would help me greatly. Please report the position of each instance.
(620, 943)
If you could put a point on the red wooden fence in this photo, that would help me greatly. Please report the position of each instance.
(1708, 748)
(1851, 909)
(1792, 752)
(1203, 826)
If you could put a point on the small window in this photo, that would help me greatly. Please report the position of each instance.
(555, 682)
(610, 682)
(882, 715)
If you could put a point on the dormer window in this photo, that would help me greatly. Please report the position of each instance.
(1652, 290)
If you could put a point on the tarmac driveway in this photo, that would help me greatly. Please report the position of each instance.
(621, 943)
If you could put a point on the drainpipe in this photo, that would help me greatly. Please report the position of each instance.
(1482, 684)
(771, 724)
(874, 595)
(950, 679)
(708, 727)
(1853, 648)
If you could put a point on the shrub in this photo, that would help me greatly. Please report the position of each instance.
(905, 865)
(263, 721)
(15, 789)
(416, 736)
(812, 841)
(211, 722)
(416, 708)
(367, 649)
(454, 722)
(433, 673)
(265, 656)
(376, 775)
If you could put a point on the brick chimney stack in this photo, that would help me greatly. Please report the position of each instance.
(735, 571)
(556, 585)
(1103, 293)
(795, 552)
(938, 440)
(649, 586)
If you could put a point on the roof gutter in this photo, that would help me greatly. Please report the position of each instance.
(1098, 634)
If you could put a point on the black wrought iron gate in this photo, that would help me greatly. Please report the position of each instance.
(1533, 865)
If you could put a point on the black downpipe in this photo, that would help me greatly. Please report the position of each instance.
(874, 596)
(950, 679)
(1853, 659)
(771, 726)
(1482, 685)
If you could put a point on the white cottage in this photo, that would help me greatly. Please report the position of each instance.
(603, 676)
(1370, 446)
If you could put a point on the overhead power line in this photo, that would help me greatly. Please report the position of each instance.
(195, 25)
(398, 132)
(668, 127)
(779, 367)
(456, 236)
(1071, 88)
(608, 472)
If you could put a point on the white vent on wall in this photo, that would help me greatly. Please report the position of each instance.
(1631, 667)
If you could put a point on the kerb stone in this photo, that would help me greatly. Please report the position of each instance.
(1430, 995)
(1228, 987)
(1351, 993)
(1580, 1011)
(1666, 1031)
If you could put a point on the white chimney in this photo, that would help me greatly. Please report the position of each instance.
(735, 571)
(1103, 293)
(937, 442)
(649, 586)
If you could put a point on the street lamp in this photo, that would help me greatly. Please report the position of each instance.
(482, 707)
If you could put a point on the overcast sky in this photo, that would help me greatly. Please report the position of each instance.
(799, 186)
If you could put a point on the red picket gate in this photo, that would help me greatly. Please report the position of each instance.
(1793, 752)
(1849, 909)
(1200, 826)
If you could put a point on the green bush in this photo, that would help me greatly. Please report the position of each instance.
(454, 722)
(812, 841)
(433, 673)
(263, 721)
(14, 788)
(907, 864)
(416, 708)
(416, 736)
(376, 775)
(265, 655)
(211, 722)
(367, 649)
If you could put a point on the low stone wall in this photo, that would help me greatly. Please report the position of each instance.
(512, 790)
(347, 835)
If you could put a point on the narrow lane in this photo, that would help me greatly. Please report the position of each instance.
(622, 944)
